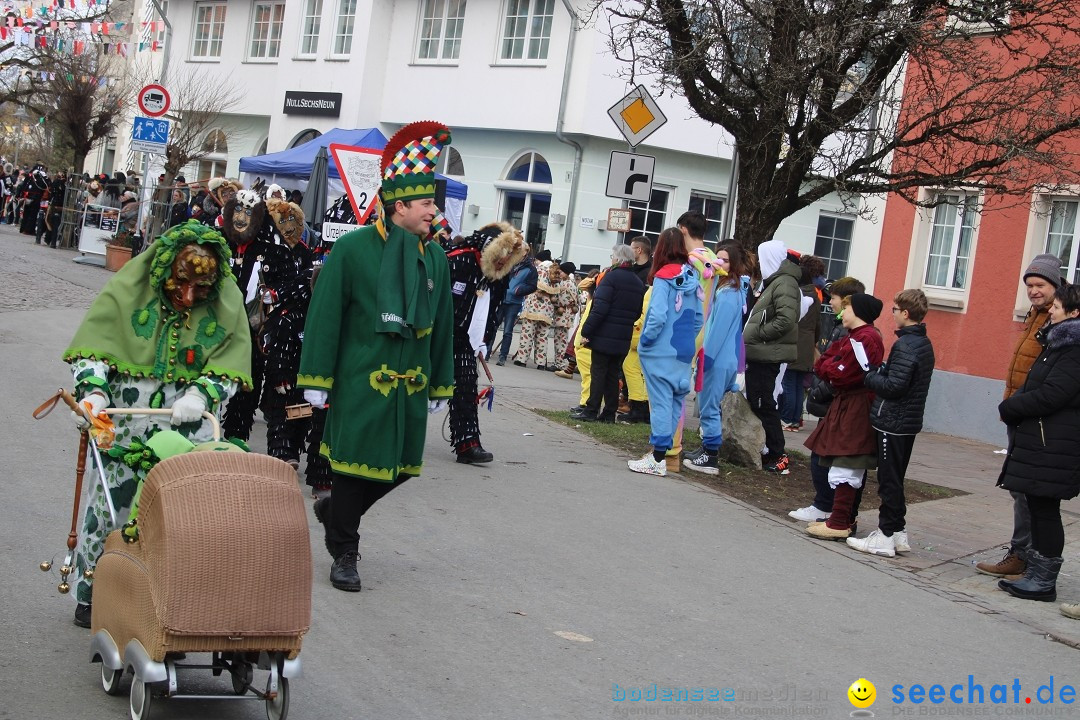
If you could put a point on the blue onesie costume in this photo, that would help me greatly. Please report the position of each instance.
(667, 347)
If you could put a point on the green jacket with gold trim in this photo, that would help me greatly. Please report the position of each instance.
(379, 382)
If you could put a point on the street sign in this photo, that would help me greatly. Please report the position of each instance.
(618, 219)
(154, 100)
(149, 135)
(637, 115)
(359, 171)
(630, 176)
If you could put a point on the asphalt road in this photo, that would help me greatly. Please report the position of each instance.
(540, 586)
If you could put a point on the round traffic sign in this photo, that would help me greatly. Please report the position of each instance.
(154, 100)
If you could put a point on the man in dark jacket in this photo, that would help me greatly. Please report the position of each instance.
(616, 306)
(901, 386)
(772, 339)
(522, 284)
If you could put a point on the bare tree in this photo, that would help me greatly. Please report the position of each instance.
(867, 96)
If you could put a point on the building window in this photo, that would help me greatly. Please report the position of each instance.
(310, 23)
(650, 218)
(1061, 238)
(951, 241)
(441, 23)
(712, 207)
(833, 244)
(343, 28)
(267, 19)
(209, 30)
(527, 29)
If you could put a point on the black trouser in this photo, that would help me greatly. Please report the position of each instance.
(464, 422)
(350, 498)
(760, 389)
(893, 456)
(1047, 534)
(605, 384)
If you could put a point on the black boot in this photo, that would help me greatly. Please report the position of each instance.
(82, 615)
(343, 573)
(1039, 581)
(475, 455)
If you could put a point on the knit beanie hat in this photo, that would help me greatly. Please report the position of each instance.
(1046, 266)
(866, 307)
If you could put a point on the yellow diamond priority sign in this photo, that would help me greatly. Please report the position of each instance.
(637, 115)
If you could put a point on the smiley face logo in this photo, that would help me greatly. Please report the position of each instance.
(862, 693)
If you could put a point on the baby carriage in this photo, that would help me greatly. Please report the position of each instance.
(221, 564)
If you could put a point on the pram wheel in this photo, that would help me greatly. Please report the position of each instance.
(140, 699)
(241, 673)
(110, 680)
(278, 708)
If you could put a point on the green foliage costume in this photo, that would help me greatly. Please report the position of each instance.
(134, 347)
(381, 349)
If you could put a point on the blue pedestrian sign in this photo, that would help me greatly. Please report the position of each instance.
(149, 135)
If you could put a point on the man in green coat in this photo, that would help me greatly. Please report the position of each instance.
(378, 345)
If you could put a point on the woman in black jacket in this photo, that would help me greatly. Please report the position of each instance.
(616, 306)
(1044, 456)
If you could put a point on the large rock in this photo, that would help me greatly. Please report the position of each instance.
(742, 431)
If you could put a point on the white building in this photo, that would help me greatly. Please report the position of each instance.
(525, 95)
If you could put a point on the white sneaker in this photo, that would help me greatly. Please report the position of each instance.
(648, 465)
(900, 539)
(809, 514)
(876, 543)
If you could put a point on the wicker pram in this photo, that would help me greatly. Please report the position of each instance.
(222, 565)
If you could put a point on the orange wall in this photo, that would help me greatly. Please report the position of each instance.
(980, 340)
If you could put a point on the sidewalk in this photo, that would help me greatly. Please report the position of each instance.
(947, 536)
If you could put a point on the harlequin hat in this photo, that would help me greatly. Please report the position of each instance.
(408, 161)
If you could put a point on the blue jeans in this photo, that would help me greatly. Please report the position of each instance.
(511, 310)
(791, 402)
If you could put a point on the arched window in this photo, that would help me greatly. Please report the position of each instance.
(304, 137)
(526, 196)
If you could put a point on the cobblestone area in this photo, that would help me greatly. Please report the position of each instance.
(36, 277)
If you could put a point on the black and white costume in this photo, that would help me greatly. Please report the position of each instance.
(483, 258)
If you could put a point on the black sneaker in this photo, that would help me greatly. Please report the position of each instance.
(703, 461)
(82, 615)
(320, 507)
(343, 575)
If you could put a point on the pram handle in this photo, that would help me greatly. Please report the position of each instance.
(165, 411)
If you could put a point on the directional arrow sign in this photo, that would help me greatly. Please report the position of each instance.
(630, 176)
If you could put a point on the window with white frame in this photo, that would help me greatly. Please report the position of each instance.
(267, 19)
(209, 30)
(310, 24)
(527, 29)
(712, 207)
(343, 28)
(1061, 238)
(649, 219)
(833, 243)
(441, 23)
(952, 240)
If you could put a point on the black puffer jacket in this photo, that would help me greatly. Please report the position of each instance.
(901, 384)
(616, 306)
(1044, 415)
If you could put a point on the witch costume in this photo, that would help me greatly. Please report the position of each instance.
(138, 348)
(483, 258)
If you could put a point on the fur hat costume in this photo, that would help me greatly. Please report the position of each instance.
(501, 246)
(288, 219)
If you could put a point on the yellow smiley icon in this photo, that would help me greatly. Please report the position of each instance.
(862, 693)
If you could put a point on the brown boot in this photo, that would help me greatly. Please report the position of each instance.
(1011, 564)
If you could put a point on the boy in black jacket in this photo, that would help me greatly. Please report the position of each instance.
(901, 385)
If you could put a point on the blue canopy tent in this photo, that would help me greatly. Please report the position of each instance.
(292, 168)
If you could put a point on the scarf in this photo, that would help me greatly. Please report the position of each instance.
(404, 307)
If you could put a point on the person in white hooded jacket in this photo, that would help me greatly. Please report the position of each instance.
(771, 337)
